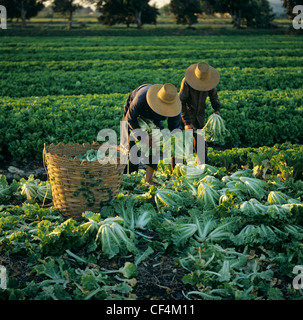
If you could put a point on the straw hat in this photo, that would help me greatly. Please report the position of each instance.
(202, 76)
(164, 100)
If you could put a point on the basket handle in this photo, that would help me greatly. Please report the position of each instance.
(44, 165)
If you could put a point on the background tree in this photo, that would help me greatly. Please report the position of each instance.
(289, 5)
(253, 13)
(259, 14)
(185, 12)
(143, 12)
(208, 6)
(149, 15)
(236, 8)
(165, 10)
(66, 8)
(112, 12)
(24, 9)
(127, 12)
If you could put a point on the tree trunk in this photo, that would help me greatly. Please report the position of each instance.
(23, 16)
(127, 22)
(237, 16)
(138, 19)
(70, 20)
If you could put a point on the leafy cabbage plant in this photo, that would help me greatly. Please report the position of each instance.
(192, 172)
(110, 234)
(213, 182)
(201, 229)
(133, 218)
(168, 198)
(257, 234)
(144, 215)
(207, 197)
(7, 190)
(215, 130)
(277, 197)
(253, 207)
(256, 187)
(35, 190)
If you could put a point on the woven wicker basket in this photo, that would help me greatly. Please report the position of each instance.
(79, 186)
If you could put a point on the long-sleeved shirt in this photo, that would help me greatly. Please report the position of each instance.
(194, 104)
(136, 105)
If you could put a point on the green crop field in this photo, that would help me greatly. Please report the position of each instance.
(229, 230)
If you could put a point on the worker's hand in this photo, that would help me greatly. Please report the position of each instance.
(189, 127)
(218, 113)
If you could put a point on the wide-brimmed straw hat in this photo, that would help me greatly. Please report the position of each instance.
(202, 77)
(164, 99)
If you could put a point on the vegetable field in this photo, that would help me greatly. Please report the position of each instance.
(228, 230)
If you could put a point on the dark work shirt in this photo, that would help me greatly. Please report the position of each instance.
(194, 104)
(136, 105)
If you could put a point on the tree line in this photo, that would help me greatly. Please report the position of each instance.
(250, 13)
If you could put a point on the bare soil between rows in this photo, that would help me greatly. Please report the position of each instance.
(158, 276)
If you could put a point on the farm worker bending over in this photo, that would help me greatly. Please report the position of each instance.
(156, 103)
(200, 82)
